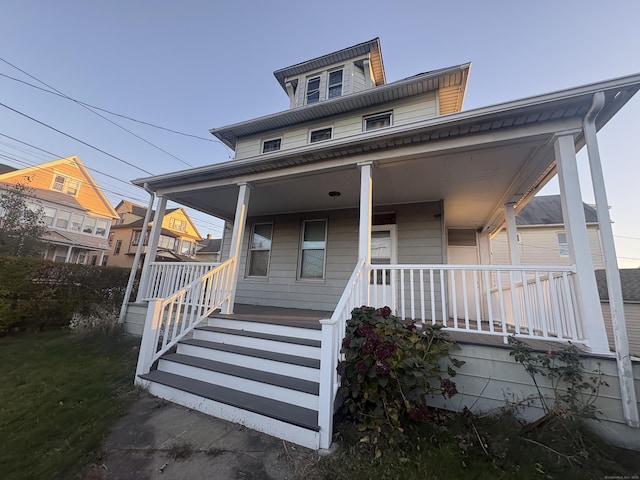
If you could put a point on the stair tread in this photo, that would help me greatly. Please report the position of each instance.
(252, 352)
(264, 336)
(292, 414)
(270, 378)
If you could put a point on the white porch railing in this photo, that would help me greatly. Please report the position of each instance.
(530, 301)
(166, 278)
(170, 319)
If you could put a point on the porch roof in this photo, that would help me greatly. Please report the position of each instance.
(476, 161)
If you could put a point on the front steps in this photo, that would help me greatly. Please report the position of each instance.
(264, 376)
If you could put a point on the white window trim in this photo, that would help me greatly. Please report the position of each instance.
(301, 249)
(306, 88)
(311, 130)
(271, 140)
(64, 184)
(248, 265)
(329, 72)
(374, 115)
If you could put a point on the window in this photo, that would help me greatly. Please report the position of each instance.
(101, 227)
(168, 243)
(48, 215)
(121, 219)
(186, 247)
(58, 183)
(313, 90)
(563, 245)
(135, 239)
(63, 219)
(179, 225)
(116, 251)
(81, 258)
(335, 84)
(312, 255)
(271, 145)
(94, 259)
(110, 238)
(320, 134)
(105, 259)
(379, 120)
(76, 222)
(72, 187)
(89, 225)
(260, 249)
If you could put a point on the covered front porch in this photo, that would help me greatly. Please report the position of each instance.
(391, 214)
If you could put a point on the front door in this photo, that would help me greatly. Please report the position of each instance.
(383, 252)
(462, 250)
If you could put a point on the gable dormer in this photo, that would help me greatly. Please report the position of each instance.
(347, 71)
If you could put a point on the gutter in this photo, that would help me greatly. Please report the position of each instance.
(614, 287)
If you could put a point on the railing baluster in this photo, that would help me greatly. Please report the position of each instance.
(527, 303)
(514, 303)
(487, 289)
(444, 298)
(432, 296)
(572, 318)
(476, 294)
(465, 299)
(503, 314)
(412, 296)
(423, 317)
(402, 294)
(454, 298)
(543, 313)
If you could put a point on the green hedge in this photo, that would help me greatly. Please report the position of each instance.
(37, 294)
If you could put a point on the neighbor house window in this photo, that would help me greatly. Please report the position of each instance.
(271, 145)
(89, 225)
(313, 90)
(313, 249)
(166, 242)
(116, 250)
(379, 120)
(136, 237)
(179, 225)
(66, 185)
(63, 219)
(76, 222)
(72, 187)
(260, 249)
(320, 134)
(563, 245)
(335, 84)
(58, 183)
(101, 227)
(185, 248)
(48, 214)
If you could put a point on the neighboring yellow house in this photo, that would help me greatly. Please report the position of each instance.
(76, 211)
(178, 240)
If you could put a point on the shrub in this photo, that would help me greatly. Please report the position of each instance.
(102, 320)
(389, 368)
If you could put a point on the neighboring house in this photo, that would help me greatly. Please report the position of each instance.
(541, 237)
(177, 242)
(368, 192)
(76, 212)
(630, 280)
(209, 249)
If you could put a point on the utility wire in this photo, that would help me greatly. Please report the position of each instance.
(76, 139)
(53, 92)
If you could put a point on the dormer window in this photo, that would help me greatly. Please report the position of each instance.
(272, 145)
(313, 90)
(335, 84)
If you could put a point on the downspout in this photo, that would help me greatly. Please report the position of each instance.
(616, 304)
(136, 259)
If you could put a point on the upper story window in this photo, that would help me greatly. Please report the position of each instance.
(67, 185)
(379, 120)
(121, 218)
(563, 245)
(320, 134)
(334, 88)
(271, 145)
(76, 222)
(101, 227)
(63, 219)
(49, 214)
(313, 90)
(179, 225)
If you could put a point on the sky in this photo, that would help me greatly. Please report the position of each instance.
(193, 65)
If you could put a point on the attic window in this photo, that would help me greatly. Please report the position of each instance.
(271, 145)
(66, 185)
(320, 134)
(313, 90)
(335, 84)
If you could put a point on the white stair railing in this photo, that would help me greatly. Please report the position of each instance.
(333, 330)
(170, 319)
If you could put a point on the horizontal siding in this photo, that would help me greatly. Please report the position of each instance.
(539, 246)
(405, 111)
(419, 237)
(632, 319)
(491, 380)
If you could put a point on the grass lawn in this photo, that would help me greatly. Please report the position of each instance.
(59, 396)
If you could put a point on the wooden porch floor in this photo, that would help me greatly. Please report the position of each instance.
(311, 319)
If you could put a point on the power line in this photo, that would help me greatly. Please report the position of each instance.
(142, 122)
(76, 139)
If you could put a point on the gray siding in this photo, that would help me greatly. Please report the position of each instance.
(419, 241)
(632, 319)
(406, 111)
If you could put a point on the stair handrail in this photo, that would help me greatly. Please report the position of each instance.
(169, 319)
(333, 330)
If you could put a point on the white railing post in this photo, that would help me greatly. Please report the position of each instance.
(239, 222)
(149, 337)
(152, 247)
(328, 365)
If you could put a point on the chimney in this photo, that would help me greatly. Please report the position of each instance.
(208, 236)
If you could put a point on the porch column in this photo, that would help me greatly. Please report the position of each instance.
(590, 311)
(239, 222)
(364, 228)
(67, 259)
(101, 258)
(616, 303)
(512, 234)
(152, 247)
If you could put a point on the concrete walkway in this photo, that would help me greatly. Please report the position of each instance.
(160, 440)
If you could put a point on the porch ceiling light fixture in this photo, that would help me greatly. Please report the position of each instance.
(334, 193)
